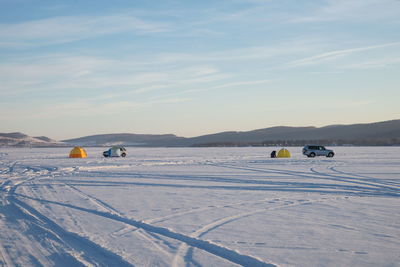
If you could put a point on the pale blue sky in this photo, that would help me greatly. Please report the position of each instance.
(75, 68)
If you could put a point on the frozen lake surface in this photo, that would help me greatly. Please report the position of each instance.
(200, 207)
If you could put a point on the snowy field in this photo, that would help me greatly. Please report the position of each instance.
(200, 207)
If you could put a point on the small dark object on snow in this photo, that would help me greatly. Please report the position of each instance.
(273, 154)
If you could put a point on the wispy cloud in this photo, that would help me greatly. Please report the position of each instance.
(133, 74)
(71, 28)
(88, 108)
(249, 53)
(354, 10)
(228, 85)
(335, 54)
(163, 72)
(374, 64)
(66, 72)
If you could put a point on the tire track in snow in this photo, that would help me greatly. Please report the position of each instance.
(26, 220)
(359, 186)
(51, 193)
(183, 249)
(375, 180)
(93, 199)
(81, 251)
(316, 175)
(105, 207)
(355, 180)
(197, 210)
(7, 167)
(215, 249)
(6, 259)
(129, 228)
(15, 179)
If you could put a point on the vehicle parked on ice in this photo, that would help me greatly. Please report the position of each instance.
(115, 151)
(316, 150)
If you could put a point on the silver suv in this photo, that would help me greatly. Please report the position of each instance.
(315, 150)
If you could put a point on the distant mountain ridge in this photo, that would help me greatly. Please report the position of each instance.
(378, 133)
(367, 131)
(22, 140)
(127, 139)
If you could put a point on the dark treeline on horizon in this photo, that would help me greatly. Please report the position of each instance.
(326, 142)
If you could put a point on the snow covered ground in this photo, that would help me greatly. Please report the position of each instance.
(200, 207)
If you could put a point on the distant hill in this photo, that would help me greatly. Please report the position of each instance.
(369, 133)
(379, 133)
(127, 139)
(23, 140)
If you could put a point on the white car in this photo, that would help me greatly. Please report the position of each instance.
(115, 151)
(316, 150)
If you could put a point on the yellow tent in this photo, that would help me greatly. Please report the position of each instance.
(78, 152)
(283, 153)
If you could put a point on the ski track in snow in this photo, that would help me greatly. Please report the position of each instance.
(75, 249)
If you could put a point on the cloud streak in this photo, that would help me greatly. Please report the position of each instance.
(134, 73)
(336, 54)
(67, 72)
(65, 29)
(374, 64)
(86, 108)
(354, 10)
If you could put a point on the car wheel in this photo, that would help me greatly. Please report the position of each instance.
(330, 155)
(312, 154)
(123, 155)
